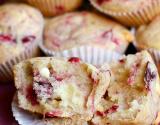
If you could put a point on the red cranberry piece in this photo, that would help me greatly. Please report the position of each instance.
(149, 76)
(108, 111)
(107, 34)
(28, 39)
(112, 109)
(58, 78)
(55, 113)
(59, 9)
(6, 38)
(122, 61)
(74, 60)
(62, 76)
(100, 113)
(31, 96)
(100, 2)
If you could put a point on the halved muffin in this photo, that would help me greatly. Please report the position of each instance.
(133, 95)
(56, 87)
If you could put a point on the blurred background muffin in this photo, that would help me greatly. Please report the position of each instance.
(129, 12)
(148, 36)
(55, 7)
(85, 28)
(21, 28)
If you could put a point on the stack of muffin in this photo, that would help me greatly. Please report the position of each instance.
(87, 80)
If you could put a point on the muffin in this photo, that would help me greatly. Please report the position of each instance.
(55, 87)
(20, 31)
(132, 96)
(74, 30)
(148, 36)
(129, 12)
(55, 7)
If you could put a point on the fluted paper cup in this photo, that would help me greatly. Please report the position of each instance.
(55, 7)
(6, 73)
(23, 117)
(89, 54)
(134, 18)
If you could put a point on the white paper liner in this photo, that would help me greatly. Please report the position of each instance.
(135, 18)
(23, 117)
(88, 54)
(26, 118)
(6, 73)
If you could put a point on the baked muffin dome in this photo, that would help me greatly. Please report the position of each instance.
(132, 97)
(148, 36)
(20, 27)
(85, 28)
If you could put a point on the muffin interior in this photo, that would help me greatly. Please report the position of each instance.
(132, 83)
(58, 88)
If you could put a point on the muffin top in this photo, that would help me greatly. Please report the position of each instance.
(121, 5)
(20, 26)
(82, 28)
(148, 36)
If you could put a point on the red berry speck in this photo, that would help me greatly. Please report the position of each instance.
(122, 61)
(55, 113)
(59, 9)
(112, 109)
(149, 76)
(6, 38)
(28, 39)
(31, 95)
(74, 60)
(100, 2)
(108, 111)
(100, 113)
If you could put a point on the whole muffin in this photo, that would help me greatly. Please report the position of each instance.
(85, 28)
(21, 28)
(148, 36)
(129, 12)
(55, 7)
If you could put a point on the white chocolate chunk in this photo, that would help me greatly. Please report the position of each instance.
(45, 72)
